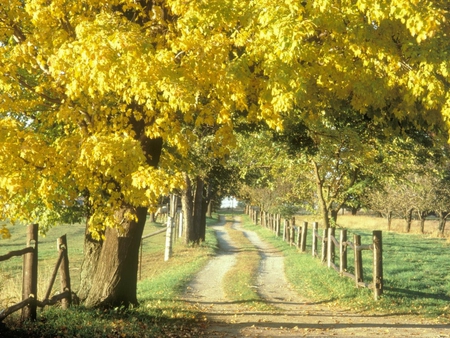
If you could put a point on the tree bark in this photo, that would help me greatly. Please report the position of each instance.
(209, 208)
(209, 201)
(115, 279)
(202, 230)
(110, 268)
(321, 197)
(186, 205)
(334, 216)
(92, 250)
(422, 215)
(442, 222)
(198, 210)
(408, 220)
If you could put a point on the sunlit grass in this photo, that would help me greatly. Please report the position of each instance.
(239, 282)
(415, 268)
(160, 312)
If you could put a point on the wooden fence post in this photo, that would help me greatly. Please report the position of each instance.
(292, 235)
(314, 238)
(324, 246)
(278, 225)
(358, 259)
(30, 269)
(377, 264)
(303, 237)
(343, 251)
(180, 225)
(298, 238)
(64, 272)
(284, 229)
(330, 247)
(168, 249)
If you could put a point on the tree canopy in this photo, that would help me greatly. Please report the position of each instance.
(97, 98)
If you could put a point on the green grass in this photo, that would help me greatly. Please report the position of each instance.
(11, 270)
(239, 281)
(415, 268)
(416, 282)
(160, 313)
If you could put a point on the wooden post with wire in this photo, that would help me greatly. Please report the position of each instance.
(64, 271)
(377, 264)
(30, 271)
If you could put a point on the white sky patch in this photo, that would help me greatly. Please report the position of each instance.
(229, 202)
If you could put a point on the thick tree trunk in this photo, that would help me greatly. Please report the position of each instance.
(110, 268)
(92, 250)
(115, 279)
(186, 205)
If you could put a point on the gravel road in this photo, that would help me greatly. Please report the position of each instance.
(294, 316)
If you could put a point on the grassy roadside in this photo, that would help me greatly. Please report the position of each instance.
(159, 314)
(415, 267)
(239, 281)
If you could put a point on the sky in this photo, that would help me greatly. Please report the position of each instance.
(229, 202)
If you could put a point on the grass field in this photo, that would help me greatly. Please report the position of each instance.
(416, 279)
(416, 270)
(159, 314)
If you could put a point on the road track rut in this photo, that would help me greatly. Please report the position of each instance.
(294, 316)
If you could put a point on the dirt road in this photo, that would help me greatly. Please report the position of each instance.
(295, 316)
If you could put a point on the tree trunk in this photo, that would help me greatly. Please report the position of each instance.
(115, 279)
(92, 250)
(209, 208)
(422, 225)
(422, 217)
(443, 227)
(186, 205)
(209, 201)
(198, 209)
(442, 222)
(109, 272)
(202, 231)
(334, 216)
(389, 219)
(322, 203)
(408, 219)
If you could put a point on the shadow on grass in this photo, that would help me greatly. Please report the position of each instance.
(141, 321)
(418, 294)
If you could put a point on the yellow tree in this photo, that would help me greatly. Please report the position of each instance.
(384, 62)
(385, 59)
(89, 90)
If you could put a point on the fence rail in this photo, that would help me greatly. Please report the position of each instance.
(297, 235)
(29, 301)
